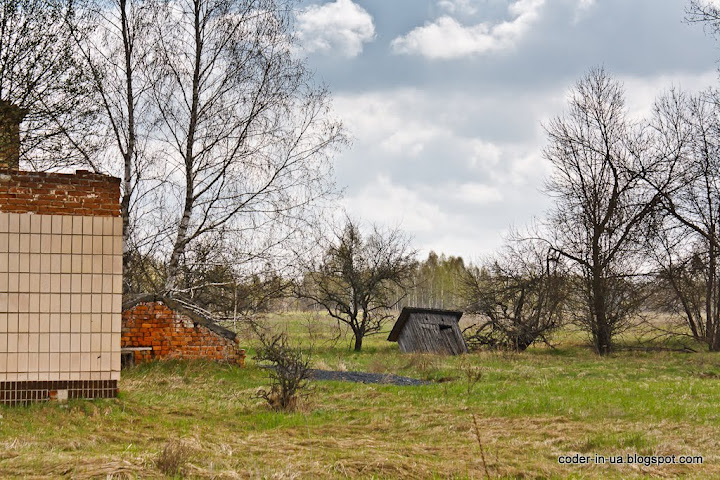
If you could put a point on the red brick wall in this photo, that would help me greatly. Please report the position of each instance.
(173, 335)
(79, 193)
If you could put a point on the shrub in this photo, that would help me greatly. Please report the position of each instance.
(173, 458)
(289, 371)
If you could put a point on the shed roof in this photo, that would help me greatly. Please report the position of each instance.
(407, 311)
(195, 313)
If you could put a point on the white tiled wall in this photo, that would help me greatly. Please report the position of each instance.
(60, 297)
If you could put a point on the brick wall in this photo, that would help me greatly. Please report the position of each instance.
(171, 334)
(81, 193)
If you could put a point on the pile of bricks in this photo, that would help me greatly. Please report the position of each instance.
(169, 334)
(81, 193)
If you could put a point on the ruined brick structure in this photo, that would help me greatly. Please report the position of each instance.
(156, 327)
(60, 285)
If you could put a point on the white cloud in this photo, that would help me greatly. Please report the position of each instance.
(582, 9)
(585, 4)
(421, 160)
(446, 38)
(461, 7)
(338, 27)
(421, 210)
(641, 92)
(423, 130)
(477, 193)
(384, 202)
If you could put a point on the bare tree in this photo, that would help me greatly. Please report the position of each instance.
(359, 277)
(686, 174)
(244, 132)
(601, 202)
(117, 55)
(521, 296)
(43, 87)
(704, 12)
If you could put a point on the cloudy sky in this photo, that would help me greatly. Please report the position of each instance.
(445, 99)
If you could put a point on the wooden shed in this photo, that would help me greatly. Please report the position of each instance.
(427, 330)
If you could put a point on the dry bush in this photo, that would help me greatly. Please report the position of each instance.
(173, 458)
(289, 371)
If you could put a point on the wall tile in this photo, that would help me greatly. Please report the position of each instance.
(117, 226)
(25, 224)
(64, 342)
(57, 224)
(34, 281)
(44, 342)
(97, 248)
(63, 285)
(67, 224)
(55, 244)
(35, 224)
(77, 225)
(65, 322)
(23, 282)
(77, 244)
(13, 222)
(65, 361)
(34, 323)
(87, 226)
(54, 339)
(108, 226)
(54, 362)
(44, 362)
(96, 342)
(46, 228)
(13, 262)
(35, 243)
(66, 263)
(87, 246)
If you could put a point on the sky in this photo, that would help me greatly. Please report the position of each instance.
(445, 100)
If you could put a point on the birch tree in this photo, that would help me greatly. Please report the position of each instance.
(244, 132)
(117, 54)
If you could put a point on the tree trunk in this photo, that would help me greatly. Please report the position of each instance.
(601, 334)
(129, 154)
(183, 238)
(358, 341)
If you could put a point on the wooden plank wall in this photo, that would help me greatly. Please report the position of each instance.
(432, 333)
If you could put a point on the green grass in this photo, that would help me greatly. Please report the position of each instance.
(530, 408)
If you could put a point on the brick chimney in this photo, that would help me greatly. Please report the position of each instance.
(10, 117)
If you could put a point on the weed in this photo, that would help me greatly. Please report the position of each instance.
(472, 373)
(173, 458)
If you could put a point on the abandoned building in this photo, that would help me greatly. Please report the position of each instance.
(159, 327)
(425, 330)
(60, 284)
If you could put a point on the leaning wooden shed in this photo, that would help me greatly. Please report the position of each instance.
(426, 330)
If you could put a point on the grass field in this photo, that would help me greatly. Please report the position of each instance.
(523, 412)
